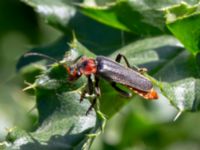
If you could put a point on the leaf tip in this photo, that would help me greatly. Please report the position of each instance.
(177, 115)
(30, 86)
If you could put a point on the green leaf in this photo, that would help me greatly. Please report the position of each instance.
(139, 16)
(64, 16)
(183, 21)
(182, 88)
(175, 69)
(60, 123)
(171, 66)
(128, 16)
(182, 97)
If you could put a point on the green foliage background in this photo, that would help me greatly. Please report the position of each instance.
(160, 35)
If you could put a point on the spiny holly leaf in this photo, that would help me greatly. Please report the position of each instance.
(139, 16)
(58, 129)
(62, 121)
(183, 21)
(184, 94)
(60, 113)
(61, 116)
(128, 16)
(176, 70)
(182, 88)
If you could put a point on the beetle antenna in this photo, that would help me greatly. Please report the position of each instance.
(79, 57)
(41, 55)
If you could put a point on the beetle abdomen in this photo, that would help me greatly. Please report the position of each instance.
(115, 72)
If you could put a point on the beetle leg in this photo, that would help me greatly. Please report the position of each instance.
(92, 105)
(89, 90)
(122, 92)
(90, 85)
(142, 70)
(83, 93)
(120, 56)
(97, 92)
(97, 89)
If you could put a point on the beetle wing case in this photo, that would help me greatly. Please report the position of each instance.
(115, 72)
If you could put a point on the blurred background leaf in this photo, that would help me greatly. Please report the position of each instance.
(183, 22)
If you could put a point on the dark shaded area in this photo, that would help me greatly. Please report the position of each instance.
(164, 54)
(16, 16)
(68, 141)
(97, 37)
(138, 24)
(55, 50)
(47, 104)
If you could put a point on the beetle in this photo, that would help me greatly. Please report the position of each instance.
(113, 72)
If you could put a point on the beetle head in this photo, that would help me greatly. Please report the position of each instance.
(84, 65)
(73, 72)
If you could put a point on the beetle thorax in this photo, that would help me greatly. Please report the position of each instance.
(87, 66)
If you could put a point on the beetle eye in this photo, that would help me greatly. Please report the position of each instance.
(84, 64)
(71, 70)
